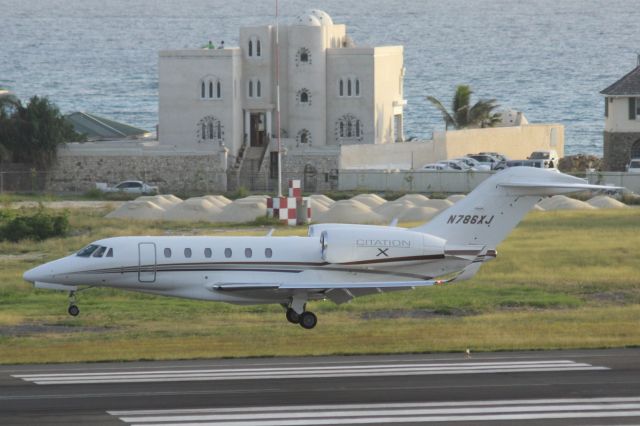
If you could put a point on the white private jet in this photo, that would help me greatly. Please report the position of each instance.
(334, 261)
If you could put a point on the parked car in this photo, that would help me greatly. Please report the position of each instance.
(550, 158)
(473, 163)
(485, 159)
(132, 187)
(497, 155)
(454, 165)
(634, 166)
(434, 166)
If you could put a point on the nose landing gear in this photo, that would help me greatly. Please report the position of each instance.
(73, 308)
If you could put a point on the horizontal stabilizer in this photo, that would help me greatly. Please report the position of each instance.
(552, 188)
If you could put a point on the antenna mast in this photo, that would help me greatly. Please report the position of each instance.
(278, 104)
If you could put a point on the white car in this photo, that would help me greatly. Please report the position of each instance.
(473, 164)
(133, 187)
(634, 166)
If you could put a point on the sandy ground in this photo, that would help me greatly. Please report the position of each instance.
(97, 205)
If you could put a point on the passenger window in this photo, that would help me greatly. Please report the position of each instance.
(207, 252)
(227, 252)
(268, 252)
(248, 252)
(110, 253)
(167, 252)
(187, 252)
(99, 252)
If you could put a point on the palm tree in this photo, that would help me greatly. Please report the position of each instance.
(463, 115)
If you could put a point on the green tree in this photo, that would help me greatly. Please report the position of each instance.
(463, 114)
(32, 133)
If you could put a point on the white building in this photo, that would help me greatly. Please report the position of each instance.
(331, 92)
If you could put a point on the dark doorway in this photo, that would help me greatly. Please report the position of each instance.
(310, 178)
(258, 132)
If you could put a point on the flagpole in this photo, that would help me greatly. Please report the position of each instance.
(278, 104)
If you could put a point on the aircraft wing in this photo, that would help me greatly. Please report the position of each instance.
(341, 292)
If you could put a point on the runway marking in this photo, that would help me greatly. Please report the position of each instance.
(407, 369)
(471, 411)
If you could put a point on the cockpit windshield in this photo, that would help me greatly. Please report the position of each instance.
(86, 252)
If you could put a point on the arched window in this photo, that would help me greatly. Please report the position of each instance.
(258, 52)
(349, 87)
(303, 56)
(357, 87)
(251, 88)
(304, 136)
(250, 47)
(258, 89)
(210, 129)
(303, 97)
(349, 129)
(341, 90)
(207, 89)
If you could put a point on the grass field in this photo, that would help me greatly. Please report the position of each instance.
(561, 280)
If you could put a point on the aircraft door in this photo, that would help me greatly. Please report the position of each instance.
(146, 262)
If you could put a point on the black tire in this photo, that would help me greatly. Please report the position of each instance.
(308, 320)
(73, 310)
(292, 316)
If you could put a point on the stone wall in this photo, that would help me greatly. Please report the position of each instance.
(617, 150)
(317, 169)
(181, 173)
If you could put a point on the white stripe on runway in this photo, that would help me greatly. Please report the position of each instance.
(409, 369)
(506, 410)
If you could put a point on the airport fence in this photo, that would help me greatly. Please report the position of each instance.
(23, 181)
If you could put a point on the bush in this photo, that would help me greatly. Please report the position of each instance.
(38, 226)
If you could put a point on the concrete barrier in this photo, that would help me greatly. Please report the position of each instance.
(442, 181)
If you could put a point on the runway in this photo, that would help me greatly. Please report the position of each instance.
(532, 388)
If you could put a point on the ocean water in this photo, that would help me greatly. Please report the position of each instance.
(548, 58)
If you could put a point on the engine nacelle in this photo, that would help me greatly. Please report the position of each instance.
(340, 245)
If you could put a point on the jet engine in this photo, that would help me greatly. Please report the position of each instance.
(371, 245)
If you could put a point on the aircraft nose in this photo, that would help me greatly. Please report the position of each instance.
(35, 274)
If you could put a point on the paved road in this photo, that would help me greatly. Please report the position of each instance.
(531, 388)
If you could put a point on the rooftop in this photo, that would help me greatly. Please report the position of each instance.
(100, 128)
(629, 85)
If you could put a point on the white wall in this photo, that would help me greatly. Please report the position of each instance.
(515, 142)
(410, 181)
(618, 119)
(181, 106)
(631, 181)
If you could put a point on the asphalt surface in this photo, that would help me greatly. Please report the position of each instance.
(599, 387)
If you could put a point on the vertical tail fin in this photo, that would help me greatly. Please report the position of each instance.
(488, 214)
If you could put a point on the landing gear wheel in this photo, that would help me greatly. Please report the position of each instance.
(292, 316)
(308, 320)
(73, 310)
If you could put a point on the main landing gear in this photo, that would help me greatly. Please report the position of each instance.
(73, 308)
(298, 314)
